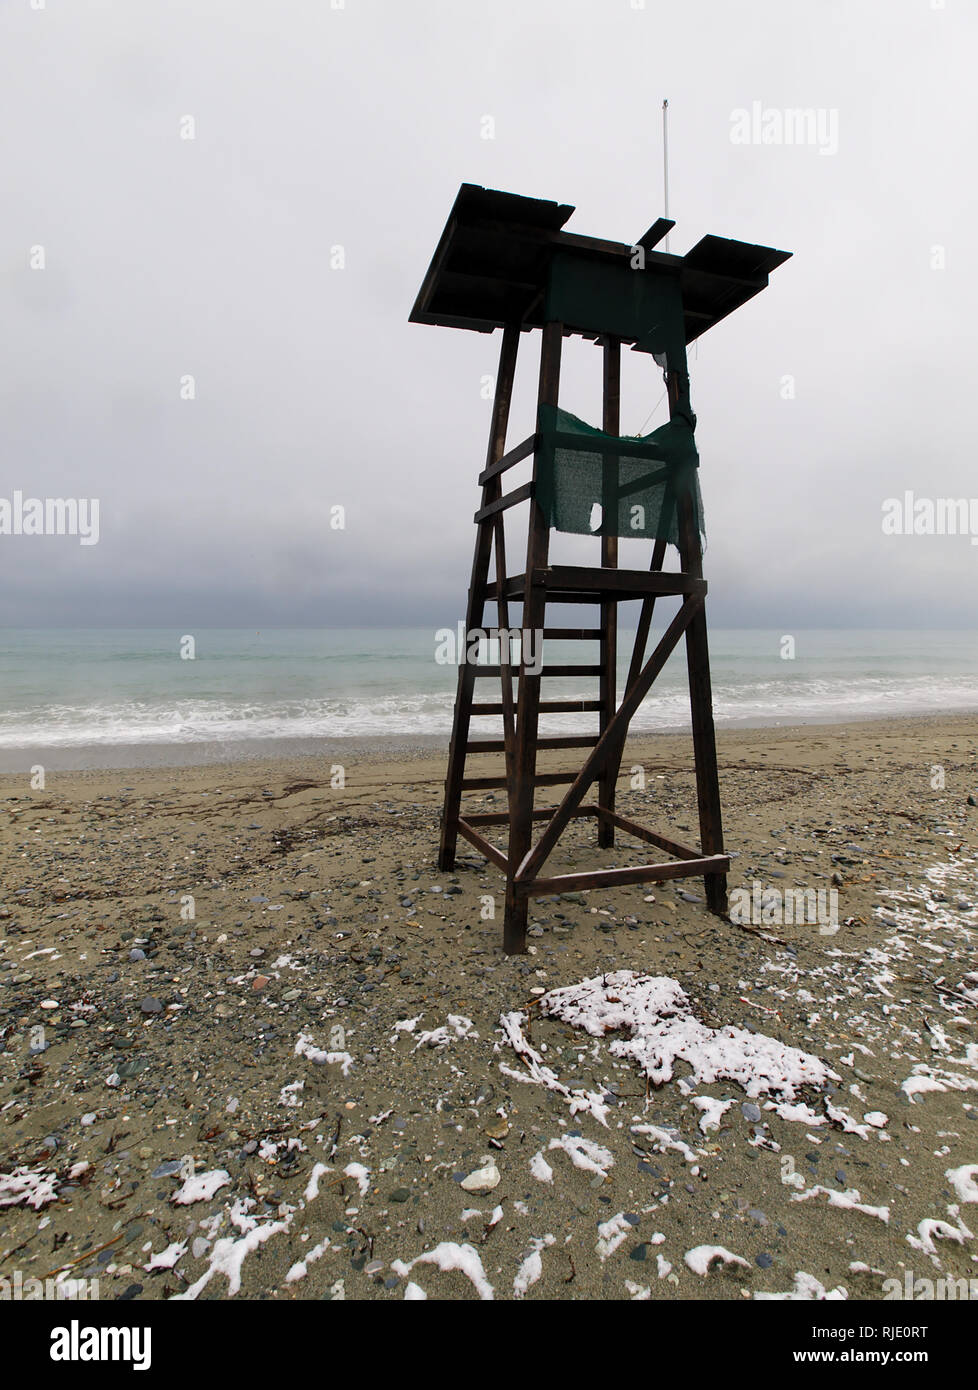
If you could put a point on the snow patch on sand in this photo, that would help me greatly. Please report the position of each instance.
(304, 1048)
(167, 1258)
(319, 1170)
(930, 1230)
(301, 1268)
(656, 1011)
(458, 1026)
(229, 1254)
(963, 1181)
(201, 1187)
(360, 1175)
(663, 1141)
(585, 1154)
(538, 1073)
(541, 1169)
(24, 1187)
(447, 1257)
(702, 1257)
(925, 1078)
(806, 1286)
(848, 1201)
(713, 1112)
(531, 1269)
(611, 1234)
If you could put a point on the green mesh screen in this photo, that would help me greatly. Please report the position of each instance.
(635, 482)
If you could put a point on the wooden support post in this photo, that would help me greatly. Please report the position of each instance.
(505, 667)
(700, 692)
(528, 704)
(475, 607)
(611, 424)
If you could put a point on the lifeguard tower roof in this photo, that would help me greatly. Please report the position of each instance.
(492, 265)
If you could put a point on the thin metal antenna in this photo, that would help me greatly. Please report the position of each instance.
(665, 165)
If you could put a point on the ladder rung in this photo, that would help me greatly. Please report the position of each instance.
(547, 707)
(542, 779)
(516, 455)
(481, 670)
(498, 745)
(544, 813)
(572, 634)
(501, 504)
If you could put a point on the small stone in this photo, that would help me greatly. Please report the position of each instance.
(483, 1179)
(764, 1260)
(400, 1194)
(750, 1111)
(151, 1006)
(137, 954)
(200, 1247)
(259, 982)
(167, 1169)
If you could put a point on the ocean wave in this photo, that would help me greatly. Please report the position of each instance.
(220, 720)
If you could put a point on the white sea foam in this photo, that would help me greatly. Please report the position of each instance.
(91, 690)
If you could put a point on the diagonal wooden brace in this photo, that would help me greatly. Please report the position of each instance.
(608, 744)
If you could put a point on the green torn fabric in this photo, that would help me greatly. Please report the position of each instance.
(634, 480)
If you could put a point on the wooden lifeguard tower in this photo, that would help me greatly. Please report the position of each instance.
(503, 261)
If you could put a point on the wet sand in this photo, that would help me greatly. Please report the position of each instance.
(203, 969)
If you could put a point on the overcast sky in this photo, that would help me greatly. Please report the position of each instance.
(318, 127)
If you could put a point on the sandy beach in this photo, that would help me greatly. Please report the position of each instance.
(252, 1039)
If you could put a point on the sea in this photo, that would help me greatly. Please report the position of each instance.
(115, 697)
